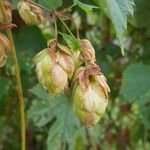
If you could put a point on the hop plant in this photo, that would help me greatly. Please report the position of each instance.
(5, 48)
(31, 14)
(8, 10)
(90, 95)
(54, 68)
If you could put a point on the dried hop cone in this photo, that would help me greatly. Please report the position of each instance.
(90, 95)
(54, 68)
(31, 14)
(5, 48)
(8, 9)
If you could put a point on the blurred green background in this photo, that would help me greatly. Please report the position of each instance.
(51, 123)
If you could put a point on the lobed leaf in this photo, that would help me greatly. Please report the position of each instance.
(135, 88)
(118, 11)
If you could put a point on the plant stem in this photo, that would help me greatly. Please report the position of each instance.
(66, 26)
(69, 8)
(76, 28)
(56, 30)
(18, 80)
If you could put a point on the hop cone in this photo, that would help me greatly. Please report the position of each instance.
(90, 95)
(31, 14)
(54, 68)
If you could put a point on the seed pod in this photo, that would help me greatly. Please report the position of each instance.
(31, 14)
(8, 9)
(90, 96)
(88, 52)
(54, 68)
(5, 48)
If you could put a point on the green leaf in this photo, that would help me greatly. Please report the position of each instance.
(136, 88)
(118, 11)
(66, 128)
(51, 4)
(86, 7)
(144, 107)
(40, 110)
(135, 82)
(72, 42)
(141, 15)
(30, 40)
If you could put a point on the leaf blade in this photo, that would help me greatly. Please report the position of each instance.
(51, 4)
(118, 13)
(72, 42)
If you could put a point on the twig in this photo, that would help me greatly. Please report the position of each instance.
(18, 80)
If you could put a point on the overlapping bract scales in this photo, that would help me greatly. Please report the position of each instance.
(54, 69)
(90, 95)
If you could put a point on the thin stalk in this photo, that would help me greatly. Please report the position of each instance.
(66, 26)
(18, 80)
(77, 30)
(69, 8)
(56, 30)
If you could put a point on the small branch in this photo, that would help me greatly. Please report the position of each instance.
(18, 80)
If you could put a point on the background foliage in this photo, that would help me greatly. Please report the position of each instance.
(51, 123)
